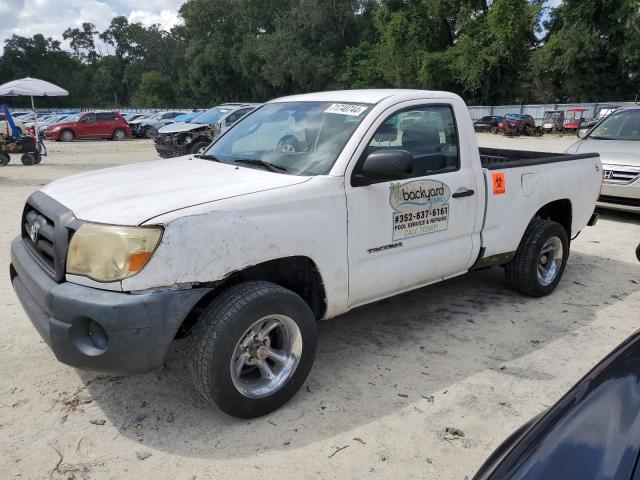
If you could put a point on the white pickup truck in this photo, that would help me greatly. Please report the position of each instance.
(308, 207)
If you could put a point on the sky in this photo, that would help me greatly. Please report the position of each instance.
(52, 17)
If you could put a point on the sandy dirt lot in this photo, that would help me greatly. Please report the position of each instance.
(388, 379)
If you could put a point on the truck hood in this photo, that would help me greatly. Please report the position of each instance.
(132, 194)
(612, 152)
(180, 127)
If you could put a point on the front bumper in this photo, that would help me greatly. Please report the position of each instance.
(620, 195)
(171, 148)
(52, 135)
(96, 329)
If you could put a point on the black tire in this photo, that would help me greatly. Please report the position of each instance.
(522, 269)
(149, 132)
(28, 159)
(66, 135)
(4, 159)
(494, 130)
(288, 144)
(37, 156)
(199, 145)
(119, 134)
(220, 328)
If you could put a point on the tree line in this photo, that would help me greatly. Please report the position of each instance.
(489, 52)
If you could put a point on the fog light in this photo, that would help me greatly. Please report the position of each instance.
(89, 337)
(98, 336)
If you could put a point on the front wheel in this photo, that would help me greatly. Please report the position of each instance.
(537, 267)
(66, 136)
(253, 348)
(119, 134)
(4, 159)
(199, 147)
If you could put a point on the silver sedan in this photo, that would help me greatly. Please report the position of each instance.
(617, 140)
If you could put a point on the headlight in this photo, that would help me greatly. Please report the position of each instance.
(107, 253)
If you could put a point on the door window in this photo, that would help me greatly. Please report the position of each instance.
(428, 133)
(89, 118)
(105, 117)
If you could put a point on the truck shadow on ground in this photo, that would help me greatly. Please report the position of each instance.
(371, 363)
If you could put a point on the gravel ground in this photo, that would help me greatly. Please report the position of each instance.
(388, 378)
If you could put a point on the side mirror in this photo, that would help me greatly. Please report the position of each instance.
(386, 165)
(582, 132)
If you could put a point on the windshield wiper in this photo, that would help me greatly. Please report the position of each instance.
(203, 156)
(596, 137)
(261, 163)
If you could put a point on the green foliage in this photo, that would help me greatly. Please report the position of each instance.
(155, 90)
(488, 51)
(591, 51)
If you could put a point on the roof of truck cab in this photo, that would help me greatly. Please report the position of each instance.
(372, 96)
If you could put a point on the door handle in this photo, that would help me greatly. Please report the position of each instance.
(463, 193)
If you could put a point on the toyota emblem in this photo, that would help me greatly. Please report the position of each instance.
(33, 232)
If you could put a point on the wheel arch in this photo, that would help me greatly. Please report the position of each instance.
(560, 211)
(299, 274)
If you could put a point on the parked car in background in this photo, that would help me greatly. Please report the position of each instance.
(591, 433)
(148, 127)
(603, 112)
(187, 117)
(553, 121)
(515, 124)
(617, 140)
(488, 123)
(193, 136)
(574, 118)
(4, 125)
(89, 125)
(132, 116)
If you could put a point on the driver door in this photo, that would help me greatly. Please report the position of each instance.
(408, 232)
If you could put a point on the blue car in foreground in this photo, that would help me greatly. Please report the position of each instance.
(593, 432)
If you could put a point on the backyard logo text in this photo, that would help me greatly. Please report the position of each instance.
(419, 207)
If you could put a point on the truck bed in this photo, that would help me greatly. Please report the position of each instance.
(499, 158)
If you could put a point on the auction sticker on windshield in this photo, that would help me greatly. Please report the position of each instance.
(419, 207)
(346, 109)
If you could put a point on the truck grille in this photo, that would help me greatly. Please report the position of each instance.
(39, 230)
(47, 227)
(620, 175)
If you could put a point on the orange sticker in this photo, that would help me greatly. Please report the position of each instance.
(499, 183)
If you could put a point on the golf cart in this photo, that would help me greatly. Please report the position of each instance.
(574, 118)
(12, 141)
(553, 121)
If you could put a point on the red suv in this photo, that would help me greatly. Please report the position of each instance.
(90, 125)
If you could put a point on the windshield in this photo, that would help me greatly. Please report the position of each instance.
(548, 116)
(211, 116)
(298, 138)
(513, 116)
(624, 125)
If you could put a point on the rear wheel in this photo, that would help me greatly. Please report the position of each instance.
(28, 159)
(494, 130)
(253, 348)
(67, 136)
(4, 159)
(539, 262)
(119, 134)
